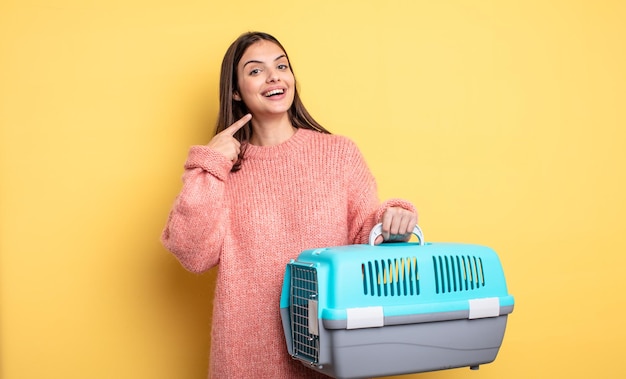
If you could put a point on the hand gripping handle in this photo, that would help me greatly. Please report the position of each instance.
(378, 230)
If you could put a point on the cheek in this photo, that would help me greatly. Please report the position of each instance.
(249, 86)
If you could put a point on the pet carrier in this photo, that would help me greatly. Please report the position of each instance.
(363, 311)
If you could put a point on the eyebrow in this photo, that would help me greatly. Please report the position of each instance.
(257, 61)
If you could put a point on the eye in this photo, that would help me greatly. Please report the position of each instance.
(283, 66)
(255, 71)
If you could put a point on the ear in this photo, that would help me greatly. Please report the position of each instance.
(236, 96)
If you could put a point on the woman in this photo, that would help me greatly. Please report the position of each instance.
(271, 183)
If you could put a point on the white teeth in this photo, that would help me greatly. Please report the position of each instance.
(273, 92)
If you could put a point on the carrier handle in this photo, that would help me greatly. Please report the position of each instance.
(378, 230)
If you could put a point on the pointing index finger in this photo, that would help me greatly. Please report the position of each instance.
(238, 124)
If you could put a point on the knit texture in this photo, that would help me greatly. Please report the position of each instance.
(314, 190)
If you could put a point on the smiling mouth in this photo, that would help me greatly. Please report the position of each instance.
(274, 92)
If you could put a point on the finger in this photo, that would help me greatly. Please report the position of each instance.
(396, 220)
(398, 223)
(386, 225)
(409, 224)
(237, 125)
(379, 239)
(412, 223)
(403, 223)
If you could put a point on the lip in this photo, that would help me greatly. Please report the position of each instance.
(269, 89)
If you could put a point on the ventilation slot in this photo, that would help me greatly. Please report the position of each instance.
(303, 291)
(391, 277)
(458, 273)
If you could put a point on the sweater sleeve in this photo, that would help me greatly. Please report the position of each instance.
(362, 195)
(365, 209)
(193, 232)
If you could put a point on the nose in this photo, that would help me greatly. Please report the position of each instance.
(272, 76)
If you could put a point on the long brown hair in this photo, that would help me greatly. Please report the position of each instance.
(231, 110)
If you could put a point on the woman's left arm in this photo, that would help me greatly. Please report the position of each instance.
(398, 216)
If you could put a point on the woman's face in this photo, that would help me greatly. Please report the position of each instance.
(266, 83)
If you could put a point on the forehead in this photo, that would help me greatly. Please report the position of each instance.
(262, 51)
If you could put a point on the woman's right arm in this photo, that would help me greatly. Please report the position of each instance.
(195, 228)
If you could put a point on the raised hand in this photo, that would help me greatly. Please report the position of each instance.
(224, 142)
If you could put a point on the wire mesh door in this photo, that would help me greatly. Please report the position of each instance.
(303, 309)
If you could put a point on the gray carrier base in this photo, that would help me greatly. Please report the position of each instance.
(406, 348)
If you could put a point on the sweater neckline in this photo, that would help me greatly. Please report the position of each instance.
(276, 151)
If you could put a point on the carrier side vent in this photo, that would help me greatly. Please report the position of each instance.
(304, 294)
(391, 277)
(455, 273)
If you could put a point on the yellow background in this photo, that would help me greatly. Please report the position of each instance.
(503, 121)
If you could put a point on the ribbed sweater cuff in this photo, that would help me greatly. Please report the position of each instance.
(394, 203)
(209, 160)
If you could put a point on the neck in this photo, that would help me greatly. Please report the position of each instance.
(269, 131)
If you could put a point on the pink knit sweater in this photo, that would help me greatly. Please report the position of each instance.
(314, 190)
